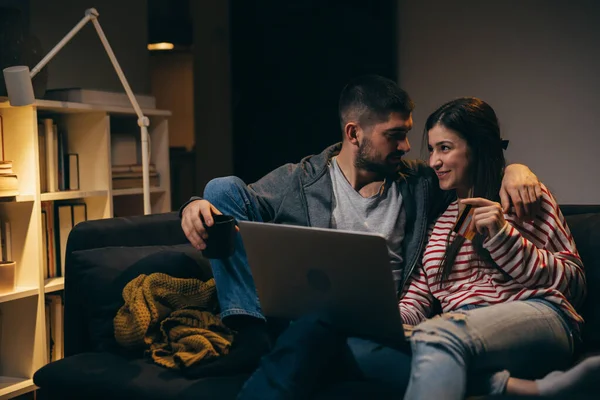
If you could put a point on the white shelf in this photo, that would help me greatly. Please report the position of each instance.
(20, 292)
(54, 284)
(24, 346)
(65, 106)
(134, 191)
(71, 107)
(12, 387)
(73, 194)
(22, 198)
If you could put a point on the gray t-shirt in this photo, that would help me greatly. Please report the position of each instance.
(382, 213)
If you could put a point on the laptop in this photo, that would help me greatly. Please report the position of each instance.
(299, 270)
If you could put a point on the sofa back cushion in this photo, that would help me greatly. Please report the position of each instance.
(95, 280)
(586, 232)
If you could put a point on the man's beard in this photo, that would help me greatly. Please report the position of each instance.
(366, 160)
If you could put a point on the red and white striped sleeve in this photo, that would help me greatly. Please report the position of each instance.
(541, 254)
(416, 300)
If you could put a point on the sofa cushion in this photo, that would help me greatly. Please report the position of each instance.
(96, 278)
(110, 376)
(102, 376)
(586, 232)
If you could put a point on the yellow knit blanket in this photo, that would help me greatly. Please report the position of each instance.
(171, 319)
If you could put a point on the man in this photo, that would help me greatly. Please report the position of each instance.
(362, 184)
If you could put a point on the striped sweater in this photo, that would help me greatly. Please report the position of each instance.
(538, 260)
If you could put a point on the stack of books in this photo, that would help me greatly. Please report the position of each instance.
(130, 176)
(9, 185)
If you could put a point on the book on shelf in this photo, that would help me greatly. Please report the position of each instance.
(7, 270)
(48, 236)
(9, 184)
(48, 320)
(6, 168)
(67, 216)
(45, 247)
(72, 171)
(51, 161)
(126, 168)
(6, 240)
(42, 159)
(62, 151)
(59, 169)
(58, 219)
(54, 315)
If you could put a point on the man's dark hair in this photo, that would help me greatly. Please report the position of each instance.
(370, 99)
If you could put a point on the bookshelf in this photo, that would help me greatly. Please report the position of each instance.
(23, 343)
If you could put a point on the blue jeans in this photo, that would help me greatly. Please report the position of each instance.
(236, 291)
(312, 354)
(528, 338)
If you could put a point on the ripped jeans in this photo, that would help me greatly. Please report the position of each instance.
(528, 338)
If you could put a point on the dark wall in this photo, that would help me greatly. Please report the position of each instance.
(289, 61)
(535, 62)
(17, 46)
(83, 62)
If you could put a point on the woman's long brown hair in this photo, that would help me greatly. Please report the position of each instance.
(475, 121)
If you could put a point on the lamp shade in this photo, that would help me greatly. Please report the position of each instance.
(18, 86)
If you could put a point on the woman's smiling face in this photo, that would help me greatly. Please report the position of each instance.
(449, 157)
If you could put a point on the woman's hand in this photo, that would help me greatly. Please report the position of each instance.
(488, 217)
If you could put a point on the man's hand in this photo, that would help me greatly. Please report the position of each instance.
(191, 221)
(521, 188)
(488, 217)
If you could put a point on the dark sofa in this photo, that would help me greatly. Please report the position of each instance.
(103, 255)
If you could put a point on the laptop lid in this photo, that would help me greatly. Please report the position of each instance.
(299, 270)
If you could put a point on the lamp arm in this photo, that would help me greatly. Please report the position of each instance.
(145, 169)
(92, 15)
(117, 67)
(143, 121)
(89, 14)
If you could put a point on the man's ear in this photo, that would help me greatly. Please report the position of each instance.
(351, 132)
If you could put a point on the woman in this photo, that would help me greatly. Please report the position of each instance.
(508, 294)
(508, 290)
